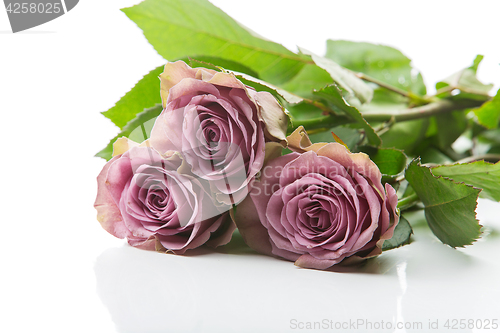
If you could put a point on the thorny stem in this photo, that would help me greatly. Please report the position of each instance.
(446, 89)
(486, 157)
(441, 106)
(413, 97)
(368, 78)
(449, 89)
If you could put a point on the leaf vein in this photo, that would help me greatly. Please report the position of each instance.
(450, 201)
(231, 42)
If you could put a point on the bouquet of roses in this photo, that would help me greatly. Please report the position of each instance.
(313, 159)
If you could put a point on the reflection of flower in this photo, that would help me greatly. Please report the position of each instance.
(318, 206)
(142, 197)
(218, 124)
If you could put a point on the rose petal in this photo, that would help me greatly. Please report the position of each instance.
(308, 261)
(121, 145)
(253, 232)
(358, 162)
(172, 74)
(272, 114)
(224, 232)
(190, 87)
(299, 141)
(226, 80)
(164, 135)
(108, 213)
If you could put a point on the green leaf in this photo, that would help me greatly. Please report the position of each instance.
(306, 111)
(260, 85)
(310, 78)
(390, 161)
(332, 95)
(381, 62)
(465, 81)
(384, 101)
(313, 124)
(477, 61)
(349, 136)
(391, 67)
(450, 126)
(181, 28)
(401, 236)
(480, 174)
(145, 94)
(133, 129)
(345, 79)
(489, 136)
(218, 64)
(405, 135)
(488, 114)
(494, 150)
(433, 155)
(449, 206)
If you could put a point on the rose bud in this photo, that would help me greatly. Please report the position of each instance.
(318, 206)
(219, 125)
(152, 202)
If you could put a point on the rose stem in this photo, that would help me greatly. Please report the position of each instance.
(408, 202)
(413, 97)
(431, 109)
(486, 157)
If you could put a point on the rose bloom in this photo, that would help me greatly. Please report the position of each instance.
(151, 202)
(318, 206)
(219, 125)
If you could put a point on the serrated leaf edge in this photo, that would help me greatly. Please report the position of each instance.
(481, 227)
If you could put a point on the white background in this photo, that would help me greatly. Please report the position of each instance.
(60, 272)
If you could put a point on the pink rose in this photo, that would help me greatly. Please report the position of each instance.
(151, 202)
(318, 206)
(219, 125)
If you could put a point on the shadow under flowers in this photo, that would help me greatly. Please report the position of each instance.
(237, 246)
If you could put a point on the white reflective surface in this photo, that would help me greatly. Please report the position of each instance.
(422, 282)
(62, 273)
